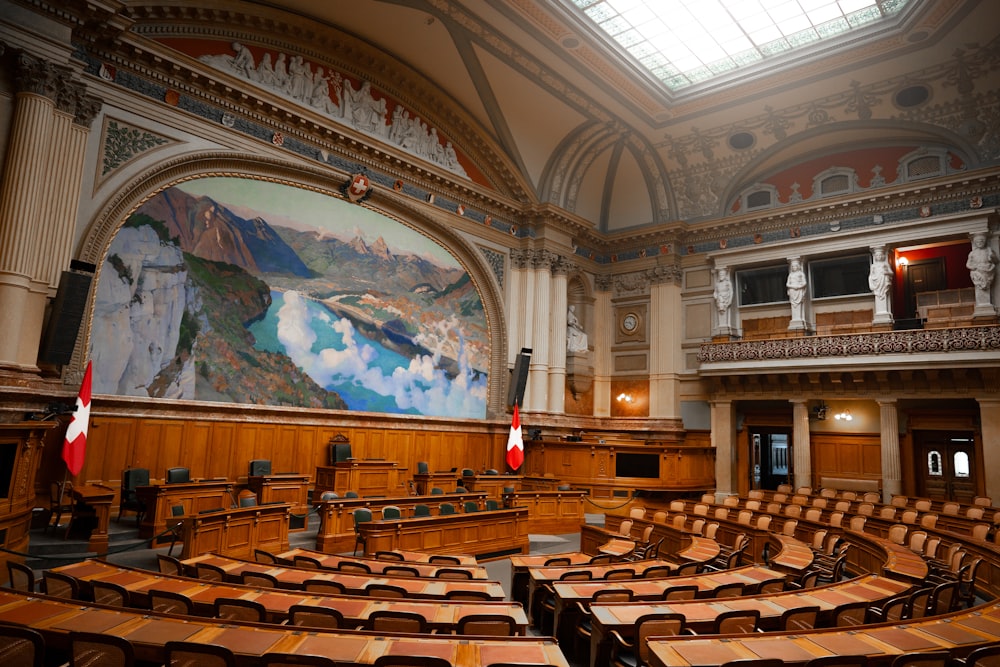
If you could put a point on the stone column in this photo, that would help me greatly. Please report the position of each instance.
(557, 337)
(538, 381)
(666, 360)
(22, 194)
(520, 306)
(603, 336)
(724, 441)
(801, 445)
(989, 417)
(892, 480)
(77, 111)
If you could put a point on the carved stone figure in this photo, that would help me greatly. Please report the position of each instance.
(723, 295)
(576, 337)
(880, 282)
(796, 285)
(982, 266)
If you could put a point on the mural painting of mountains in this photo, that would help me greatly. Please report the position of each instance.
(258, 293)
(354, 265)
(211, 231)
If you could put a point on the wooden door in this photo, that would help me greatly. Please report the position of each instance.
(926, 275)
(946, 465)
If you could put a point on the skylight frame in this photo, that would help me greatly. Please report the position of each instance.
(687, 45)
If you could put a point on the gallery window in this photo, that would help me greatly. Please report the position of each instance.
(762, 285)
(839, 276)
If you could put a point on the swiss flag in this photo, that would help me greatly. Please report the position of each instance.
(75, 446)
(515, 444)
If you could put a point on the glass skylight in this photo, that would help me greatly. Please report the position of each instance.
(684, 42)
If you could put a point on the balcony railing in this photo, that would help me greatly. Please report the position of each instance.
(916, 341)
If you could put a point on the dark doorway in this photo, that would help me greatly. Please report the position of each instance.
(946, 465)
(925, 275)
(771, 456)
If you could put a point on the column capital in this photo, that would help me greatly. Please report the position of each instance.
(543, 259)
(87, 108)
(520, 259)
(603, 283)
(40, 77)
(561, 266)
(671, 275)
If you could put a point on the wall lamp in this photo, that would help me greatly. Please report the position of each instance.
(624, 398)
(843, 416)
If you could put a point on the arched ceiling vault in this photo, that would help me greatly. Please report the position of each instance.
(550, 115)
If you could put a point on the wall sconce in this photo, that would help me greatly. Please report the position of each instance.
(819, 412)
(624, 398)
(843, 416)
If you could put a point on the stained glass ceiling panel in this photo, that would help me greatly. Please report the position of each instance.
(685, 42)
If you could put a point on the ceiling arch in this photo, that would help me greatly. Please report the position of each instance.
(840, 138)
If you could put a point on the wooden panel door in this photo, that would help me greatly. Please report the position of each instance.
(926, 275)
(947, 465)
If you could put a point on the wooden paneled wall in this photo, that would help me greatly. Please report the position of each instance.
(213, 447)
(843, 455)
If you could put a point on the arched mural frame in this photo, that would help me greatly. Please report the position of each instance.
(98, 235)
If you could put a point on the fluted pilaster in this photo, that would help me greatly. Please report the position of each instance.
(892, 481)
(801, 445)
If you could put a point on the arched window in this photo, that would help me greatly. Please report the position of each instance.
(934, 463)
(960, 464)
(759, 196)
(923, 163)
(835, 181)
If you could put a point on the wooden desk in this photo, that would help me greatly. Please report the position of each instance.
(336, 529)
(291, 488)
(100, 498)
(194, 496)
(331, 562)
(570, 592)
(699, 550)
(447, 481)
(491, 485)
(793, 555)
(355, 584)
(539, 577)
(440, 617)
(148, 632)
(700, 614)
(478, 533)
(549, 511)
(366, 478)
(959, 633)
(236, 532)
(520, 565)
(674, 540)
